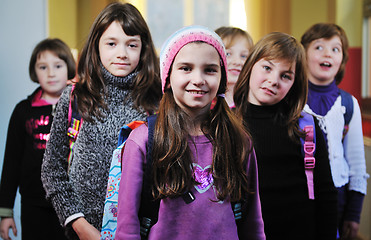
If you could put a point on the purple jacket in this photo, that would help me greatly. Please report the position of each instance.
(201, 219)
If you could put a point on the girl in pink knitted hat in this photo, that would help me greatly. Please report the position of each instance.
(202, 159)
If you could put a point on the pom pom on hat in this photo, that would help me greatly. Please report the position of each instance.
(180, 38)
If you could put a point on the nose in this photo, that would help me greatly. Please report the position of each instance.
(197, 78)
(273, 79)
(328, 52)
(236, 60)
(51, 71)
(122, 52)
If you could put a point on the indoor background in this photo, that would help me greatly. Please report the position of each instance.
(24, 23)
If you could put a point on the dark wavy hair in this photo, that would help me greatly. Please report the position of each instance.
(58, 47)
(279, 46)
(327, 31)
(172, 158)
(146, 91)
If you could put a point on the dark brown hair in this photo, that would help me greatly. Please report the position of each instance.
(327, 31)
(172, 158)
(146, 90)
(279, 46)
(60, 49)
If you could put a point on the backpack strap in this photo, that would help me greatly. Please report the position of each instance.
(74, 123)
(309, 146)
(347, 102)
(148, 210)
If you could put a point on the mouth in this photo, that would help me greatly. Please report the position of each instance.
(121, 64)
(197, 92)
(268, 91)
(234, 71)
(52, 82)
(326, 64)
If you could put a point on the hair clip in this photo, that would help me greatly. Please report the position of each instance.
(221, 95)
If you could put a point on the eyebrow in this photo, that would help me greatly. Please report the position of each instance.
(131, 38)
(287, 71)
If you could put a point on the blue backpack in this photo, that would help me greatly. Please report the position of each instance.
(347, 102)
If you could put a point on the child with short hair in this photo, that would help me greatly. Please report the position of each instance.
(118, 83)
(202, 158)
(51, 65)
(298, 201)
(238, 44)
(326, 46)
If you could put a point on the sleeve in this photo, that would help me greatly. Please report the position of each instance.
(253, 226)
(54, 174)
(354, 152)
(133, 159)
(324, 190)
(14, 151)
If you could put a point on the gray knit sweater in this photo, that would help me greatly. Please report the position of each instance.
(83, 189)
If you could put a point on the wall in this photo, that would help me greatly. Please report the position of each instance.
(23, 25)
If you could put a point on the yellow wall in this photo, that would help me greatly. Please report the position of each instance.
(62, 21)
(306, 13)
(349, 16)
(265, 16)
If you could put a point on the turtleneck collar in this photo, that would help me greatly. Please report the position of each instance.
(321, 98)
(257, 111)
(121, 82)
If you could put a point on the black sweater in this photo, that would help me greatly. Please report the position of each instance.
(287, 211)
(28, 130)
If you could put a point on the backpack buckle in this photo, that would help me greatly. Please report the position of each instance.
(71, 132)
(309, 162)
(309, 148)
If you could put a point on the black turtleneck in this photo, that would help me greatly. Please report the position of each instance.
(287, 211)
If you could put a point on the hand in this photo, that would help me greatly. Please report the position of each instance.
(5, 225)
(350, 230)
(85, 230)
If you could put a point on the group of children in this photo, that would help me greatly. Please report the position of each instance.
(225, 151)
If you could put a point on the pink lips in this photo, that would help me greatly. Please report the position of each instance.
(234, 71)
(121, 64)
(268, 91)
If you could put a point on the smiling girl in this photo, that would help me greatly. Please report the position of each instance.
(204, 153)
(270, 95)
(238, 44)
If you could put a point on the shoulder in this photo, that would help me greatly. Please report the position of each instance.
(139, 135)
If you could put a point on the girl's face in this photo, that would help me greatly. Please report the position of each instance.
(324, 59)
(195, 77)
(236, 57)
(119, 53)
(270, 81)
(52, 73)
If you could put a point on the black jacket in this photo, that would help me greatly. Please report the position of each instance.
(28, 131)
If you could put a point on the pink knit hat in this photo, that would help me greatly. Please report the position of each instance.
(180, 38)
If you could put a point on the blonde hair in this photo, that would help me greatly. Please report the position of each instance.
(229, 36)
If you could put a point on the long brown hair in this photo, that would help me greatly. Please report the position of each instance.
(146, 90)
(277, 45)
(172, 158)
(327, 31)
